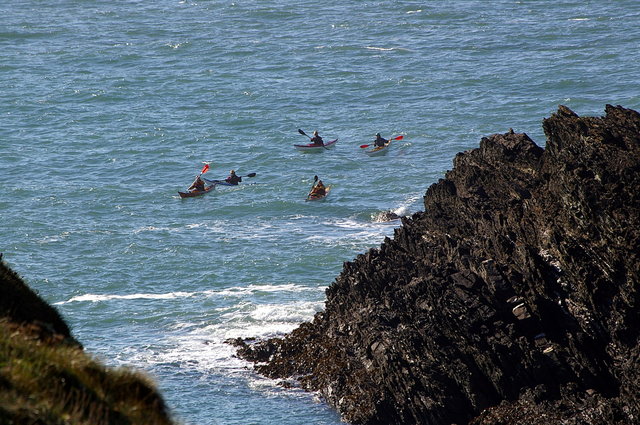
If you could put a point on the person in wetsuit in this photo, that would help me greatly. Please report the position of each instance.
(316, 139)
(233, 178)
(197, 185)
(318, 190)
(380, 141)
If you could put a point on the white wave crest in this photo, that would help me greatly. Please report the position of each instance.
(234, 291)
(106, 297)
(387, 49)
(382, 49)
(204, 348)
(404, 206)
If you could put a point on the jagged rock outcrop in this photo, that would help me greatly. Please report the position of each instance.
(513, 298)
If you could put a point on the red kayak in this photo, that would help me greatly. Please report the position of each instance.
(315, 148)
(194, 193)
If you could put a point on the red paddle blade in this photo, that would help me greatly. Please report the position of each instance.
(205, 169)
(364, 146)
(398, 138)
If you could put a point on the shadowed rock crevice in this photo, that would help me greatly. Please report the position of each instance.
(513, 298)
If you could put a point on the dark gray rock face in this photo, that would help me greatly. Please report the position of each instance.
(513, 298)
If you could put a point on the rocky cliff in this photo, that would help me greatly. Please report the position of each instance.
(513, 298)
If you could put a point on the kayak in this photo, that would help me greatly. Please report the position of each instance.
(318, 197)
(378, 150)
(194, 193)
(220, 182)
(315, 148)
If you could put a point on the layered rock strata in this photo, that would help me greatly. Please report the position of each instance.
(513, 298)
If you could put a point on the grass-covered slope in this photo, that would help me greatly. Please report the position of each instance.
(47, 378)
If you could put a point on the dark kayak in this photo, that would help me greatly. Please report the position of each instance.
(194, 193)
(220, 182)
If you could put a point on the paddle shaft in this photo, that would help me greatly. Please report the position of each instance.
(220, 181)
(389, 141)
(204, 170)
(315, 181)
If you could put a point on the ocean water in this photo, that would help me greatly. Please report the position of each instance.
(109, 108)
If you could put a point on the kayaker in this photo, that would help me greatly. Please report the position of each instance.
(233, 178)
(319, 189)
(197, 185)
(380, 141)
(316, 139)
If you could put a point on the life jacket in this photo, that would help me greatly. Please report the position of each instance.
(197, 185)
(319, 190)
(233, 179)
(380, 141)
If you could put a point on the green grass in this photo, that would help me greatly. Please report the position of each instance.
(44, 381)
(47, 378)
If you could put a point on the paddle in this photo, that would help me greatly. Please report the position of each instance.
(315, 180)
(305, 134)
(204, 170)
(395, 138)
(220, 181)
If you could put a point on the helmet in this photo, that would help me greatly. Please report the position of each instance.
(377, 134)
(315, 132)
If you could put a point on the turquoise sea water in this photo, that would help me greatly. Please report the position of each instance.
(108, 108)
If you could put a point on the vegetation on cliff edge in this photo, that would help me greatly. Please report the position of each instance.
(47, 378)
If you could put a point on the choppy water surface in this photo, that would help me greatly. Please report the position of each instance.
(107, 109)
